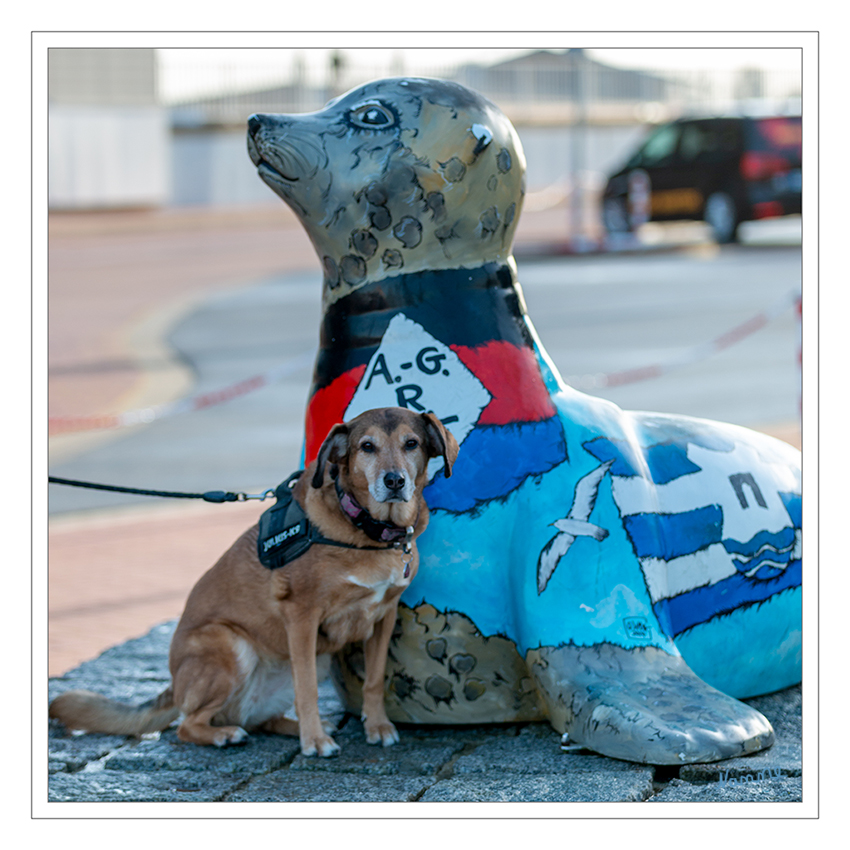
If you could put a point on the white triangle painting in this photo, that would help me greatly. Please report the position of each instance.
(415, 370)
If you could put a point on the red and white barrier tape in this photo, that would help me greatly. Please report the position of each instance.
(67, 424)
(690, 355)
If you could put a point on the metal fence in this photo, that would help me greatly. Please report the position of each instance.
(543, 88)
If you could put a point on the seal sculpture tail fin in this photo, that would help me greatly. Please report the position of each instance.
(91, 712)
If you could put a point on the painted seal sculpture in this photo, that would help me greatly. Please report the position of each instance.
(625, 575)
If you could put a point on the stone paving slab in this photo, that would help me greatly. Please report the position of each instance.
(500, 763)
(532, 752)
(607, 787)
(259, 755)
(167, 786)
(320, 787)
(783, 789)
(411, 756)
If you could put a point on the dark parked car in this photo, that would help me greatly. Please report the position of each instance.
(720, 170)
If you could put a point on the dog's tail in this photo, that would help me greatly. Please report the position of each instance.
(90, 712)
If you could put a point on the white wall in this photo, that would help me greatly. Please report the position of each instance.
(213, 168)
(551, 155)
(107, 156)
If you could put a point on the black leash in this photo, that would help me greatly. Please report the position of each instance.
(209, 496)
(285, 533)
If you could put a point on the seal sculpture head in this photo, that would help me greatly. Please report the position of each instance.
(396, 176)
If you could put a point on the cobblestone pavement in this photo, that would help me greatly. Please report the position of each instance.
(506, 763)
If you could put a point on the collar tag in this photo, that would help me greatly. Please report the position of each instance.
(407, 557)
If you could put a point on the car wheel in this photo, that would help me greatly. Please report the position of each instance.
(615, 217)
(721, 215)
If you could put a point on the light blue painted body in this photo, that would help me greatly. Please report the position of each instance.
(746, 636)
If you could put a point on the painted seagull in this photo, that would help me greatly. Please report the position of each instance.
(574, 524)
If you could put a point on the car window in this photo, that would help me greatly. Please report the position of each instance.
(696, 139)
(658, 148)
(707, 142)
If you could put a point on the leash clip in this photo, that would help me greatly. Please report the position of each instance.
(244, 497)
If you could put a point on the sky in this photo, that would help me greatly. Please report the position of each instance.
(189, 71)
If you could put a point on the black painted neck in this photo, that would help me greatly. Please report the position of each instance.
(466, 307)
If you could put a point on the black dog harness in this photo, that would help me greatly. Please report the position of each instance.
(286, 533)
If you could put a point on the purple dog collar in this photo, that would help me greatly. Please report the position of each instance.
(383, 532)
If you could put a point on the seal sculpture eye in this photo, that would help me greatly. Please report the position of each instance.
(372, 116)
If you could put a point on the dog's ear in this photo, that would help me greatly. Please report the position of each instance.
(333, 450)
(441, 441)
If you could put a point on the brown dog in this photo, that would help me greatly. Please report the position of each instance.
(250, 635)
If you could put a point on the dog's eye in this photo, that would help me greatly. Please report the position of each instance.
(372, 116)
(367, 447)
(410, 445)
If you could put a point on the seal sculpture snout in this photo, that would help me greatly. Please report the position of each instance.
(254, 124)
(284, 151)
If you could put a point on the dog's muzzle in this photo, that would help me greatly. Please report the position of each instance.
(393, 486)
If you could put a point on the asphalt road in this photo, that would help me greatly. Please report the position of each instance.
(594, 314)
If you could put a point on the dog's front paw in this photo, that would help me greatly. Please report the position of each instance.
(229, 735)
(324, 747)
(380, 732)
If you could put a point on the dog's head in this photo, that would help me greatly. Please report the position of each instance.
(399, 175)
(382, 458)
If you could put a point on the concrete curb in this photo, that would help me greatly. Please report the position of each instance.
(506, 763)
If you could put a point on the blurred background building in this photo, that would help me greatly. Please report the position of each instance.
(147, 127)
(109, 131)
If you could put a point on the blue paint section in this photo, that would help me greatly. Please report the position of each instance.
(777, 540)
(764, 557)
(666, 461)
(757, 564)
(669, 536)
(794, 505)
(756, 649)
(489, 465)
(681, 430)
(621, 452)
(697, 606)
(499, 506)
(596, 595)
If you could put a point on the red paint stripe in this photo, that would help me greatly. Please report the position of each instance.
(327, 407)
(512, 376)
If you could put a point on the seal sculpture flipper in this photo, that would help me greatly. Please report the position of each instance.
(643, 705)
(624, 575)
